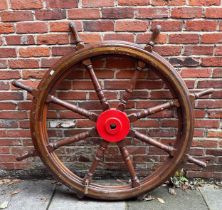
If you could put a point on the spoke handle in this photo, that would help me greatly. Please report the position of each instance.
(203, 93)
(29, 154)
(91, 115)
(22, 86)
(99, 91)
(70, 140)
(146, 112)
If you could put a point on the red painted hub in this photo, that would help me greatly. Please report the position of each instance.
(113, 125)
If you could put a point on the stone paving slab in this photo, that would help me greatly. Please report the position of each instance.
(64, 199)
(212, 196)
(31, 195)
(45, 195)
(183, 200)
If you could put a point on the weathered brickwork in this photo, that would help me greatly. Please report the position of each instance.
(34, 34)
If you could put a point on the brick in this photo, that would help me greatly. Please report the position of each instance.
(147, 123)
(151, 13)
(8, 124)
(8, 16)
(109, 95)
(144, 38)
(20, 40)
(33, 74)
(67, 4)
(216, 152)
(7, 106)
(215, 113)
(112, 13)
(115, 85)
(128, 25)
(11, 96)
(15, 133)
(34, 52)
(32, 27)
(212, 61)
(72, 95)
(185, 61)
(210, 104)
(7, 75)
(120, 62)
(47, 63)
(168, 25)
(7, 157)
(63, 26)
(211, 38)
(214, 13)
(207, 123)
(55, 14)
(168, 50)
(217, 73)
(196, 73)
(12, 114)
(102, 74)
(133, 2)
(104, 25)
(4, 150)
(183, 38)
(58, 51)
(83, 85)
(220, 26)
(119, 36)
(84, 14)
(186, 12)
(6, 28)
(169, 3)
(218, 50)
(216, 94)
(7, 52)
(198, 50)
(53, 39)
(205, 143)
(215, 134)
(200, 25)
(4, 86)
(210, 84)
(160, 94)
(3, 64)
(3, 4)
(204, 2)
(23, 63)
(26, 4)
(97, 3)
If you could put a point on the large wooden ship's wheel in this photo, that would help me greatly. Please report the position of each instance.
(113, 125)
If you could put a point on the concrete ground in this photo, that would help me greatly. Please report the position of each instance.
(46, 195)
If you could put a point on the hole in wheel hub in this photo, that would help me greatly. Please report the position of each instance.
(113, 125)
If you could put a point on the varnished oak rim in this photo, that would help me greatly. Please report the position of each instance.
(39, 114)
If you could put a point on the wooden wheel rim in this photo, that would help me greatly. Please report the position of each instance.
(62, 173)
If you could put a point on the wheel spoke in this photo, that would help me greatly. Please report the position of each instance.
(170, 150)
(128, 92)
(88, 64)
(152, 141)
(146, 112)
(98, 158)
(129, 163)
(88, 114)
(70, 140)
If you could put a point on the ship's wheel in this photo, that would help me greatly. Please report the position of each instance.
(112, 124)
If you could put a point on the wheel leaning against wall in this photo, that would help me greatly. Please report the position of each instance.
(113, 125)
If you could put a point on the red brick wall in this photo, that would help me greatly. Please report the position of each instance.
(34, 34)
